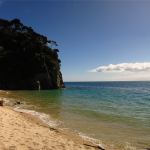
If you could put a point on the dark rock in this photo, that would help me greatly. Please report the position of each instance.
(19, 103)
(16, 103)
(98, 147)
(1, 103)
(41, 81)
(36, 85)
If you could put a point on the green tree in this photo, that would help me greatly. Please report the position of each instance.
(23, 52)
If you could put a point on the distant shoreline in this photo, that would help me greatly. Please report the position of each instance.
(109, 81)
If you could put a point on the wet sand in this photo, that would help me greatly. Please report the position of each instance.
(23, 131)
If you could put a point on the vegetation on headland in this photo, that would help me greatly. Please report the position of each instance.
(23, 52)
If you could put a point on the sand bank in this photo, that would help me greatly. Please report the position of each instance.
(22, 131)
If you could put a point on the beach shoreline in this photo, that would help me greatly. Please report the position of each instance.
(18, 127)
(45, 132)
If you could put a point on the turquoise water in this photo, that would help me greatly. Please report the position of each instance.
(107, 113)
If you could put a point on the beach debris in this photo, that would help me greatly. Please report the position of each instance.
(98, 147)
(1, 102)
(19, 103)
(53, 129)
(16, 103)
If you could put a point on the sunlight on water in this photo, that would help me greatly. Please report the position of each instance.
(113, 113)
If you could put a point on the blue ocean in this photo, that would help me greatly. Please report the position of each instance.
(116, 114)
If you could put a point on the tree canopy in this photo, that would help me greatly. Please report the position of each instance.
(23, 52)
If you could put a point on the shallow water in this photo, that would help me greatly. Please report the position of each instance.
(112, 113)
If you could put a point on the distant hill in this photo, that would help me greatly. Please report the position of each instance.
(26, 60)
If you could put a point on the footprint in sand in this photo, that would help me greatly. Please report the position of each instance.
(18, 140)
(13, 148)
(45, 148)
(30, 148)
(22, 143)
(2, 137)
(35, 144)
(45, 141)
(61, 146)
(29, 139)
(53, 147)
(77, 146)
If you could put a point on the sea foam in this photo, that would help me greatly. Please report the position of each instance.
(44, 117)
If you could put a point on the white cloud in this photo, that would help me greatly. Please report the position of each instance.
(124, 68)
(1, 2)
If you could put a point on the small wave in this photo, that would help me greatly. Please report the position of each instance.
(87, 138)
(128, 146)
(45, 118)
(4, 99)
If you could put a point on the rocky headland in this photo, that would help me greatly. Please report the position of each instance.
(27, 60)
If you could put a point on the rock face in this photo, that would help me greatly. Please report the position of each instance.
(41, 81)
(1, 103)
(49, 81)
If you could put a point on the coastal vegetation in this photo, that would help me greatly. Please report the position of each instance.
(25, 53)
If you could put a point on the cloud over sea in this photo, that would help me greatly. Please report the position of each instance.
(124, 68)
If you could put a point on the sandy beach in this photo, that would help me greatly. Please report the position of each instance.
(22, 131)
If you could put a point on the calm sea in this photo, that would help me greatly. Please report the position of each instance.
(107, 113)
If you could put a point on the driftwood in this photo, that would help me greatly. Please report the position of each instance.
(98, 147)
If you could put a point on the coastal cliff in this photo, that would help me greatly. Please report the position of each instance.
(27, 60)
(41, 81)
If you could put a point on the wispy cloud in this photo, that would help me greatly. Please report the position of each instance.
(124, 68)
(1, 2)
(27, 10)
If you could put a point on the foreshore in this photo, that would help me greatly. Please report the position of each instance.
(22, 131)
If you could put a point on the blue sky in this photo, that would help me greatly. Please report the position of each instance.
(91, 35)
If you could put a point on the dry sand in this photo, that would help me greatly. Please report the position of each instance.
(22, 131)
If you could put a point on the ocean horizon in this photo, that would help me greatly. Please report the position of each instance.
(113, 113)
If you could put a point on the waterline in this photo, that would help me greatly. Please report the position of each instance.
(112, 113)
